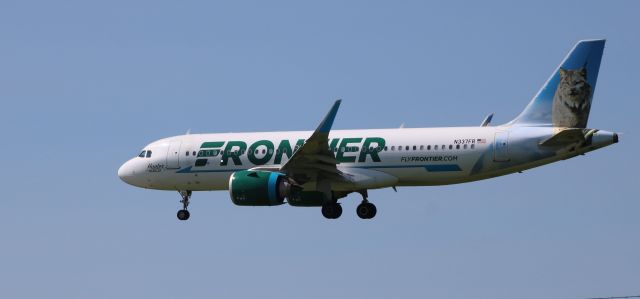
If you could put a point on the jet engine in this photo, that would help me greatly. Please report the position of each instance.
(258, 188)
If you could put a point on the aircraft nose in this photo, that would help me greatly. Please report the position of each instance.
(125, 173)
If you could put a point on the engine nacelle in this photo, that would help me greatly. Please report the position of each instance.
(258, 188)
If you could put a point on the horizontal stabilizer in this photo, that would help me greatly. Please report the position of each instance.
(569, 136)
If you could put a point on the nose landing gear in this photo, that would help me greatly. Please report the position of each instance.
(184, 213)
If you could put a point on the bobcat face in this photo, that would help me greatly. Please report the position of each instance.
(571, 103)
(574, 90)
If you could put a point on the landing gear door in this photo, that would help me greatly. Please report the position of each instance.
(173, 155)
(501, 147)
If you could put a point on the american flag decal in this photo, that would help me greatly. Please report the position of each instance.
(482, 140)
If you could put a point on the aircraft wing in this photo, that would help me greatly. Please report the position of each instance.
(314, 158)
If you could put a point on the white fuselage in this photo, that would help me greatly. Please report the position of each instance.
(407, 157)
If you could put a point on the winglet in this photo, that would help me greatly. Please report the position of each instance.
(487, 120)
(327, 122)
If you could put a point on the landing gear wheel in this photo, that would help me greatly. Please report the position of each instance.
(366, 210)
(332, 210)
(183, 214)
(374, 211)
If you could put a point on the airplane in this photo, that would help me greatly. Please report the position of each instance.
(318, 168)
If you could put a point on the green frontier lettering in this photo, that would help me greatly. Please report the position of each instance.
(251, 154)
(214, 146)
(345, 144)
(285, 148)
(333, 144)
(369, 149)
(371, 146)
(233, 150)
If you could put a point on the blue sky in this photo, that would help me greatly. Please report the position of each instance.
(85, 85)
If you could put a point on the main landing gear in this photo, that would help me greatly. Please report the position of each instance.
(332, 210)
(184, 213)
(365, 210)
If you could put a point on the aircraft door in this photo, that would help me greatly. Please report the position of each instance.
(173, 155)
(501, 147)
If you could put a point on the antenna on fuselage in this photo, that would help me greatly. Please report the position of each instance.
(188, 132)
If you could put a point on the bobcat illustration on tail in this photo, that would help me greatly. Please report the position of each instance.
(572, 100)
(564, 100)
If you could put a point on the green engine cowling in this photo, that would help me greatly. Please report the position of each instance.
(258, 188)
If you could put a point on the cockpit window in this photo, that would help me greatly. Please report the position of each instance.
(148, 154)
(141, 155)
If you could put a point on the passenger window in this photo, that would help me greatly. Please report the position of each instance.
(435, 147)
(141, 155)
(428, 147)
(148, 154)
(399, 148)
(414, 148)
(194, 153)
(422, 147)
(187, 154)
(450, 146)
(393, 148)
(473, 146)
(443, 147)
(407, 147)
(465, 146)
(457, 146)
(385, 148)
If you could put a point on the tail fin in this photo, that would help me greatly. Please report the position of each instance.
(565, 99)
